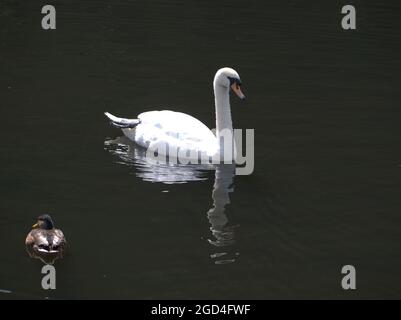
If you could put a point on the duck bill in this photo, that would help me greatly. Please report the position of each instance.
(237, 89)
(35, 225)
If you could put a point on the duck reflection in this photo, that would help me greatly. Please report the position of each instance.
(222, 238)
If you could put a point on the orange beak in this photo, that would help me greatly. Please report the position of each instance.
(237, 89)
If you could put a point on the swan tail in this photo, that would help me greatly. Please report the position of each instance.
(122, 123)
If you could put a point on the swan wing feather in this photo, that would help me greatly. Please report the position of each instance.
(175, 129)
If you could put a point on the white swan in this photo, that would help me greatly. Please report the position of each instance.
(158, 129)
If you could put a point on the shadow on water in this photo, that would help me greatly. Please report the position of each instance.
(150, 170)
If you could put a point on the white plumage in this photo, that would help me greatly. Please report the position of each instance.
(165, 130)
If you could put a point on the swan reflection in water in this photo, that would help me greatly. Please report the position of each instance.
(151, 170)
(222, 231)
(223, 240)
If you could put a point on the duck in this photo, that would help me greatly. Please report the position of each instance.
(165, 130)
(44, 237)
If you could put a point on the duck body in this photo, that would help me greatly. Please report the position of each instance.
(46, 241)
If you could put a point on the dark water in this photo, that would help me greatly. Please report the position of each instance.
(325, 106)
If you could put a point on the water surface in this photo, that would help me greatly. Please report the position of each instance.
(325, 106)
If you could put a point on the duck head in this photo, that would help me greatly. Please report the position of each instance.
(44, 222)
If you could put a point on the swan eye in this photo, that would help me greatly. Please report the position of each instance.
(234, 80)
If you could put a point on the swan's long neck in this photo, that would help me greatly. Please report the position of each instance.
(223, 110)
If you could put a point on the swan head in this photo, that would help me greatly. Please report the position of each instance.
(229, 78)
